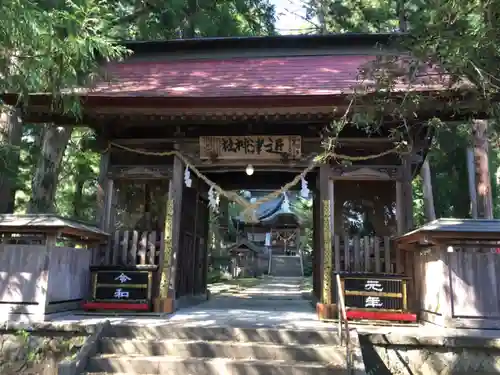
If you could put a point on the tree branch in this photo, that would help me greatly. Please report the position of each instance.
(148, 7)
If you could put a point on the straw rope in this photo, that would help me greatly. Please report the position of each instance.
(249, 208)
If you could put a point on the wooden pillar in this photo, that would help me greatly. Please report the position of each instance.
(196, 238)
(316, 248)
(171, 235)
(325, 234)
(219, 226)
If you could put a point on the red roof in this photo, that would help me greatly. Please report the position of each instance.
(237, 77)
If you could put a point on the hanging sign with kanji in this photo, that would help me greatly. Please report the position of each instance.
(253, 146)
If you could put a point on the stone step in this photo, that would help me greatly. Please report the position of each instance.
(202, 366)
(227, 349)
(264, 335)
(261, 297)
(286, 266)
(281, 302)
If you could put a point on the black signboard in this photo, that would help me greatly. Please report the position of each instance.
(373, 291)
(122, 285)
(123, 277)
(373, 285)
(374, 302)
(121, 293)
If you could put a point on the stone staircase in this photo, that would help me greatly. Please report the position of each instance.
(286, 266)
(175, 349)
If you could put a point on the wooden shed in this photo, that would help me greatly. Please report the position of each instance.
(456, 269)
(44, 264)
(247, 259)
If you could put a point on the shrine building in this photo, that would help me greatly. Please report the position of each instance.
(179, 119)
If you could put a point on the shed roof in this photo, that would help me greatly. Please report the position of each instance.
(245, 244)
(449, 229)
(47, 223)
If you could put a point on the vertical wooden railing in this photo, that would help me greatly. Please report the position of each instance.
(130, 248)
(363, 254)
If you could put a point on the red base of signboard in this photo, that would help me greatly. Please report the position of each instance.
(115, 306)
(381, 315)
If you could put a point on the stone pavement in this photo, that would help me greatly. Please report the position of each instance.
(276, 302)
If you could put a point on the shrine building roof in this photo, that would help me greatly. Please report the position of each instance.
(259, 66)
(243, 67)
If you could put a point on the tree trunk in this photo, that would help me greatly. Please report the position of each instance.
(44, 185)
(322, 6)
(189, 31)
(78, 195)
(11, 131)
(425, 173)
(480, 143)
(471, 177)
(400, 9)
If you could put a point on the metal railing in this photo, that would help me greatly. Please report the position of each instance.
(269, 266)
(301, 262)
(343, 326)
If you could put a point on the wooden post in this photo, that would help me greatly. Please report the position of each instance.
(331, 202)
(325, 309)
(171, 239)
(196, 237)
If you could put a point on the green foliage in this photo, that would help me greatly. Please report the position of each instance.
(59, 45)
(77, 192)
(354, 15)
(462, 39)
(50, 47)
(189, 19)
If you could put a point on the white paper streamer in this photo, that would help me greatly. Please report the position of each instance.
(187, 177)
(304, 190)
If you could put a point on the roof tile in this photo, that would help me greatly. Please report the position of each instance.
(237, 77)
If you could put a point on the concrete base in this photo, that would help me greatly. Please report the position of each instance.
(35, 313)
(326, 311)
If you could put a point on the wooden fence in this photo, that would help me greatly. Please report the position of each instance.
(363, 254)
(130, 248)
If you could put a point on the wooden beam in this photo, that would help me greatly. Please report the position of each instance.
(180, 140)
(140, 172)
(367, 172)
